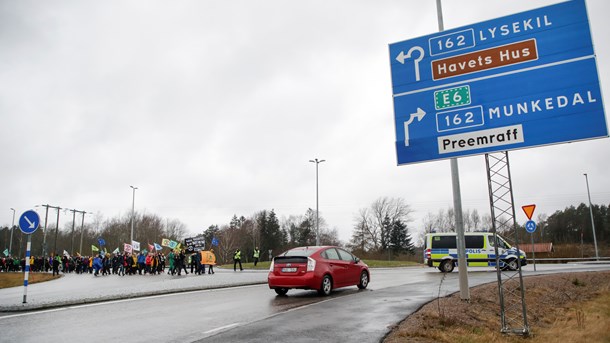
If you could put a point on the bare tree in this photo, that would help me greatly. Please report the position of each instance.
(475, 219)
(389, 210)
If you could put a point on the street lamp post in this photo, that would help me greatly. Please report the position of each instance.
(10, 244)
(133, 204)
(316, 161)
(592, 221)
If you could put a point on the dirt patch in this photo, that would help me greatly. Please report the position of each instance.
(552, 301)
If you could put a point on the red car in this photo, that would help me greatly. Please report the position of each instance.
(321, 268)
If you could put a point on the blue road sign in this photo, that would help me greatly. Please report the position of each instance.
(519, 81)
(29, 222)
(530, 226)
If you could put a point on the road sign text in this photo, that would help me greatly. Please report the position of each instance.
(485, 59)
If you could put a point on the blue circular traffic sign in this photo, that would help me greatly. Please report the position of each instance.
(530, 226)
(29, 222)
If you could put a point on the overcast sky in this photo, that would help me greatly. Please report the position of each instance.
(214, 108)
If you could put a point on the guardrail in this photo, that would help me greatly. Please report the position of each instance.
(566, 259)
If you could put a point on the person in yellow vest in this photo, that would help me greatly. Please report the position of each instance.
(236, 260)
(256, 255)
(211, 265)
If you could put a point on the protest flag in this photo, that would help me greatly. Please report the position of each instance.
(94, 248)
(165, 242)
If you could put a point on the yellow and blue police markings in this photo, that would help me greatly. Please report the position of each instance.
(474, 257)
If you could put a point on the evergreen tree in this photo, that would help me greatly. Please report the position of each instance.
(400, 239)
(272, 238)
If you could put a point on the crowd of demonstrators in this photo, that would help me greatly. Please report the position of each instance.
(15, 264)
(151, 263)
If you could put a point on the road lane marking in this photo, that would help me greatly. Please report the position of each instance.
(220, 328)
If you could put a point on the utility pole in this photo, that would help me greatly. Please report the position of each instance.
(133, 205)
(73, 222)
(56, 231)
(10, 244)
(44, 236)
(592, 221)
(82, 229)
(81, 233)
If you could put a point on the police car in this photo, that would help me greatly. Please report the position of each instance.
(441, 251)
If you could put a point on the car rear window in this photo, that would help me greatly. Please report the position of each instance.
(443, 242)
(299, 252)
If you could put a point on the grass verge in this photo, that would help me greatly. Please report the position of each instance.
(16, 279)
(572, 307)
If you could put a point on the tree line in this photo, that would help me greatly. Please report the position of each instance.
(567, 226)
(384, 229)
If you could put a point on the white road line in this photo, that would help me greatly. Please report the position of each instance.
(220, 328)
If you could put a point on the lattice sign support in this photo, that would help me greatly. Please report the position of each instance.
(513, 312)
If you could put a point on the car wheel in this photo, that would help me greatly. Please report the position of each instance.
(326, 286)
(281, 291)
(446, 266)
(512, 264)
(364, 280)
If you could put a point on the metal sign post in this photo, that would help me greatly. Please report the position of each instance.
(28, 223)
(530, 226)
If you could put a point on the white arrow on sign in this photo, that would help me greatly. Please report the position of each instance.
(419, 115)
(29, 222)
(401, 58)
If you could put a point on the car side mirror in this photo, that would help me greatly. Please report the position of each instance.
(356, 260)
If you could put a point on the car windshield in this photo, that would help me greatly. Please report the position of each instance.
(300, 252)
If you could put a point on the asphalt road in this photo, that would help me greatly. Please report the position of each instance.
(252, 313)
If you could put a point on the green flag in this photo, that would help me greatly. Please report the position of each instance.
(116, 251)
(94, 248)
(6, 252)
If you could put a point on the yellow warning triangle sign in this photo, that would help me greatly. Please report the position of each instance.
(529, 210)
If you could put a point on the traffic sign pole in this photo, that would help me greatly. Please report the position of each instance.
(533, 251)
(530, 226)
(457, 201)
(28, 223)
(27, 269)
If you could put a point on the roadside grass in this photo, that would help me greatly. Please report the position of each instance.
(586, 322)
(561, 309)
(250, 265)
(390, 264)
(370, 263)
(16, 279)
(579, 322)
